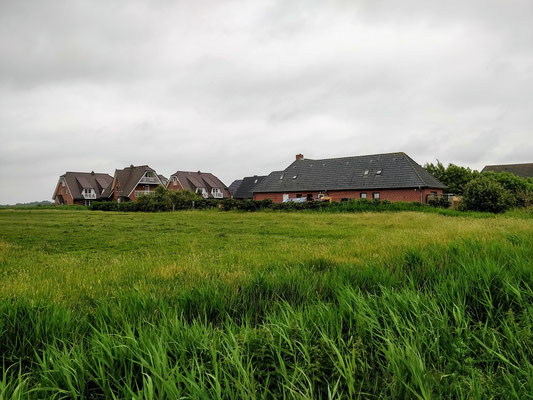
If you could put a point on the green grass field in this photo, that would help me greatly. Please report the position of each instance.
(210, 304)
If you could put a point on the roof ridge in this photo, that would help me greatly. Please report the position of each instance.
(507, 165)
(343, 157)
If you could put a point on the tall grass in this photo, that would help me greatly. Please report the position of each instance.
(432, 319)
(452, 323)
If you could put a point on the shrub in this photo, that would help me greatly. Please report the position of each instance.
(439, 202)
(485, 193)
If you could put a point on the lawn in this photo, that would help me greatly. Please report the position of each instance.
(211, 304)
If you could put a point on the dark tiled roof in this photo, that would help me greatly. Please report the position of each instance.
(234, 186)
(128, 179)
(163, 179)
(194, 180)
(522, 170)
(77, 181)
(385, 171)
(246, 187)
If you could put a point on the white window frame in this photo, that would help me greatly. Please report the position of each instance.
(217, 193)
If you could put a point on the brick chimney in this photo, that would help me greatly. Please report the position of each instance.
(299, 157)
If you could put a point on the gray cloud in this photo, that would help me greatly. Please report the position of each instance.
(239, 87)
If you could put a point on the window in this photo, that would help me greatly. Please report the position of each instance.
(320, 195)
(146, 188)
(345, 199)
(375, 195)
(174, 180)
(217, 193)
(202, 192)
(366, 172)
(363, 195)
(309, 196)
(299, 196)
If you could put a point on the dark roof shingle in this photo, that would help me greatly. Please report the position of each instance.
(522, 170)
(377, 171)
(245, 190)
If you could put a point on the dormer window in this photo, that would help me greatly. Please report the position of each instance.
(217, 193)
(202, 192)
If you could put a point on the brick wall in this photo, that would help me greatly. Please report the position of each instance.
(384, 194)
(63, 191)
(141, 188)
(172, 186)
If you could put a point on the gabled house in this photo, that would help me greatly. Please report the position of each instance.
(163, 180)
(204, 184)
(392, 176)
(522, 170)
(80, 187)
(244, 189)
(132, 182)
(234, 186)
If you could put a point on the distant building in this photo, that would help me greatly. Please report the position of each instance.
(244, 189)
(205, 184)
(391, 176)
(80, 187)
(521, 170)
(132, 182)
(163, 180)
(234, 186)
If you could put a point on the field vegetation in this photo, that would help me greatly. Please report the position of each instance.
(209, 304)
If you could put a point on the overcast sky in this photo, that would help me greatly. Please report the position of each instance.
(238, 88)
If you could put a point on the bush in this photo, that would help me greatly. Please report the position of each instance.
(439, 202)
(485, 193)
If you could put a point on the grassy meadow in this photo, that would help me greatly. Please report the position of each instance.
(265, 305)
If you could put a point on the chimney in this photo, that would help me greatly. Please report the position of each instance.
(299, 157)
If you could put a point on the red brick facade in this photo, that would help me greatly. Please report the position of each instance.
(174, 186)
(65, 194)
(141, 189)
(392, 195)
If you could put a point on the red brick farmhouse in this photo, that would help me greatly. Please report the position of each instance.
(391, 176)
(132, 182)
(80, 187)
(202, 183)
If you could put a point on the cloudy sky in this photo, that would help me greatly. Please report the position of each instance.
(239, 87)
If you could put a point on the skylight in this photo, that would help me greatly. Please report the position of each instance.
(295, 176)
(281, 177)
(366, 172)
(378, 172)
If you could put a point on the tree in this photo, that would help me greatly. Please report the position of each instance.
(485, 193)
(180, 199)
(453, 176)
